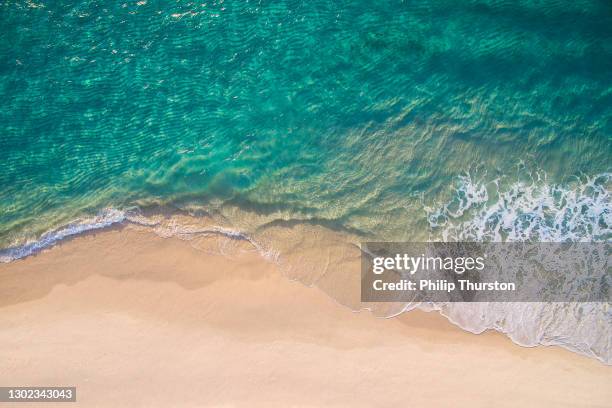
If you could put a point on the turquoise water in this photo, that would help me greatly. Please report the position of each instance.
(302, 126)
(357, 114)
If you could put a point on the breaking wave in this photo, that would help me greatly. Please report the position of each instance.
(580, 211)
(526, 211)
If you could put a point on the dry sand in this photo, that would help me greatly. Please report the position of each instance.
(135, 320)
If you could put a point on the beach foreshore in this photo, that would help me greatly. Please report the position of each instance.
(134, 319)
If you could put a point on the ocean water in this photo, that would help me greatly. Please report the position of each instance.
(333, 121)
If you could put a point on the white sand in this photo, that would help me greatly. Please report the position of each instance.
(135, 320)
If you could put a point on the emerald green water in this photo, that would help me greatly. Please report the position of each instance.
(357, 114)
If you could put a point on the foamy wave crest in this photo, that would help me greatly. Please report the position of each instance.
(580, 211)
(523, 211)
(162, 225)
(105, 218)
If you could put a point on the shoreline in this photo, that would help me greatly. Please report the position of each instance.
(298, 249)
(237, 332)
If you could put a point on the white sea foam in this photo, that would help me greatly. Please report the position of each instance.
(534, 211)
(531, 211)
(164, 227)
(104, 219)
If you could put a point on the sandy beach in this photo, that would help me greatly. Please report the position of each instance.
(133, 319)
